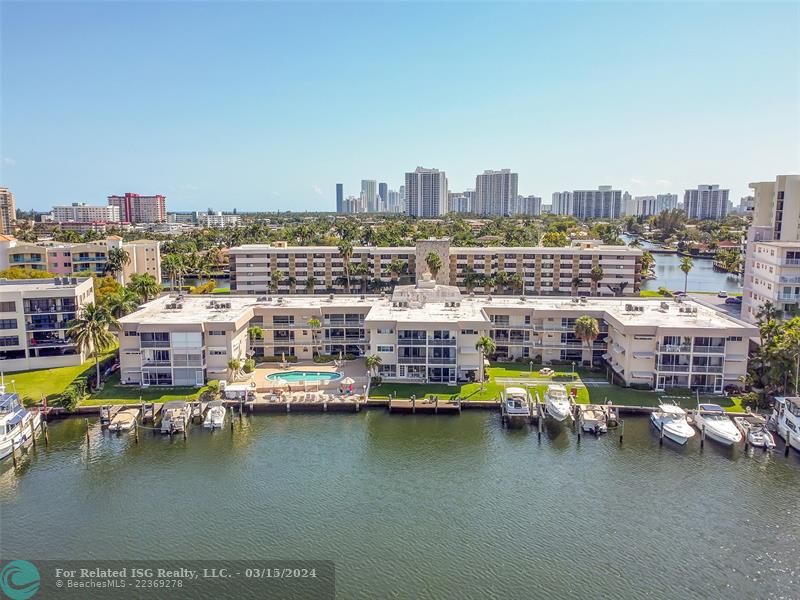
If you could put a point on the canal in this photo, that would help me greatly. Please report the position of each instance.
(421, 506)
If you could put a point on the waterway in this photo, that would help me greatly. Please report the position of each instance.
(421, 506)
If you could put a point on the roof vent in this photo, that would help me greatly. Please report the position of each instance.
(261, 299)
(489, 299)
(522, 298)
(665, 306)
(330, 297)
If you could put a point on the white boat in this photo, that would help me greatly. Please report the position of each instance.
(124, 420)
(215, 415)
(174, 416)
(670, 420)
(594, 419)
(557, 402)
(754, 429)
(717, 425)
(517, 405)
(786, 419)
(15, 423)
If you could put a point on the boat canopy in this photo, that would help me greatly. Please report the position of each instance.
(671, 409)
(516, 391)
(710, 408)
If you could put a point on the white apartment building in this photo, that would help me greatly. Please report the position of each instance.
(528, 270)
(602, 203)
(34, 318)
(426, 193)
(219, 219)
(561, 203)
(427, 333)
(84, 213)
(648, 206)
(495, 192)
(706, 202)
(369, 194)
(527, 205)
(459, 203)
(772, 256)
(8, 211)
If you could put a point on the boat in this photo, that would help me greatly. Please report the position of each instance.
(17, 424)
(215, 415)
(712, 420)
(516, 405)
(786, 420)
(754, 429)
(196, 411)
(124, 420)
(557, 402)
(174, 416)
(670, 420)
(594, 419)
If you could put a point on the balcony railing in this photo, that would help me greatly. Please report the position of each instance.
(156, 363)
(707, 368)
(411, 341)
(438, 342)
(789, 297)
(47, 325)
(411, 360)
(442, 360)
(791, 262)
(720, 349)
(673, 368)
(673, 347)
(38, 343)
(154, 344)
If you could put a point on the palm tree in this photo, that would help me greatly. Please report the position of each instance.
(361, 270)
(315, 325)
(434, 263)
(686, 266)
(124, 302)
(275, 281)
(486, 346)
(587, 328)
(346, 252)
(596, 274)
(174, 267)
(234, 366)
(517, 282)
(91, 332)
(116, 259)
(472, 280)
(576, 283)
(395, 268)
(255, 332)
(145, 285)
(310, 283)
(374, 363)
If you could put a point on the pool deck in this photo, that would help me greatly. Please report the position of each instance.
(355, 369)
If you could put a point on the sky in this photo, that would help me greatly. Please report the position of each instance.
(266, 106)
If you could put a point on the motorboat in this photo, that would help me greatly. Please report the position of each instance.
(516, 405)
(755, 432)
(670, 420)
(215, 415)
(17, 424)
(786, 420)
(174, 416)
(711, 419)
(124, 420)
(594, 419)
(557, 402)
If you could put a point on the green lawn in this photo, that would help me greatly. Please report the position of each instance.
(114, 393)
(650, 294)
(48, 382)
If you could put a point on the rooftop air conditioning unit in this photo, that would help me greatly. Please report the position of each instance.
(261, 299)
(362, 297)
(489, 299)
(664, 306)
(628, 307)
(330, 297)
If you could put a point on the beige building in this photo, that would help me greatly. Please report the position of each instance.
(527, 270)
(8, 211)
(84, 213)
(772, 257)
(34, 317)
(427, 333)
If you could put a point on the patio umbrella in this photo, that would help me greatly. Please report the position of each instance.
(348, 381)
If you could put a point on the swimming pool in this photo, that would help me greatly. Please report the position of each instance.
(310, 376)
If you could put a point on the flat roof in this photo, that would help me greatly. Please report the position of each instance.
(33, 285)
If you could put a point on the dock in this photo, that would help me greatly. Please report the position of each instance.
(430, 405)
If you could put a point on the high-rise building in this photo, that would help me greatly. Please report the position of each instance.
(706, 202)
(426, 193)
(369, 194)
(339, 197)
(383, 196)
(745, 204)
(561, 203)
(8, 211)
(772, 254)
(602, 203)
(527, 205)
(394, 202)
(458, 203)
(134, 208)
(83, 213)
(495, 191)
(647, 206)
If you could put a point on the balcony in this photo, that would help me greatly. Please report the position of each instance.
(49, 325)
(411, 341)
(791, 262)
(789, 297)
(707, 368)
(154, 344)
(437, 342)
(673, 347)
(673, 368)
(44, 307)
(45, 342)
(784, 279)
(411, 360)
(442, 360)
(709, 349)
(156, 363)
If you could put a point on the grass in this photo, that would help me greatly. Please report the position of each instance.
(218, 291)
(651, 294)
(49, 383)
(114, 393)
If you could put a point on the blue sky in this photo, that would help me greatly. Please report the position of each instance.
(266, 106)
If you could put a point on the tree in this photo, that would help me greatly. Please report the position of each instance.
(91, 332)
(310, 283)
(396, 267)
(486, 347)
(686, 266)
(517, 282)
(345, 248)
(596, 274)
(145, 285)
(275, 280)
(434, 262)
(174, 267)
(587, 329)
(256, 332)
(555, 239)
(234, 366)
(25, 273)
(361, 270)
(576, 284)
(124, 302)
(374, 363)
(315, 325)
(116, 260)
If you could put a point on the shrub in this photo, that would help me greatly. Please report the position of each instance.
(249, 365)
(277, 359)
(206, 288)
(664, 291)
(327, 358)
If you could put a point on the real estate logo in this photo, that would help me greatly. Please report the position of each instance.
(19, 580)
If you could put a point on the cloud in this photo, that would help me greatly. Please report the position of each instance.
(663, 182)
(636, 181)
(8, 161)
(317, 190)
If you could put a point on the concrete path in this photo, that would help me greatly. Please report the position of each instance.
(547, 381)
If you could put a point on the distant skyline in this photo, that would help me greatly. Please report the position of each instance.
(266, 106)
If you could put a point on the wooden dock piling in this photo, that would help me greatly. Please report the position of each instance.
(14, 453)
(87, 432)
(33, 434)
(46, 434)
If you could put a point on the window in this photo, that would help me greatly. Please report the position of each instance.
(385, 348)
(129, 333)
(217, 352)
(10, 340)
(8, 323)
(734, 338)
(216, 332)
(8, 306)
(384, 331)
(469, 332)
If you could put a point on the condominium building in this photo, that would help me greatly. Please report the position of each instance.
(772, 256)
(495, 191)
(648, 206)
(561, 203)
(369, 194)
(602, 203)
(529, 270)
(706, 202)
(339, 198)
(8, 211)
(459, 203)
(383, 196)
(134, 208)
(527, 205)
(65, 259)
(426, 193)
(427, 333)
(84, 213)
(34, 318)
(219, 219)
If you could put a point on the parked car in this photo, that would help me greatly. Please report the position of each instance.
(722, 294)
(733, 300)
